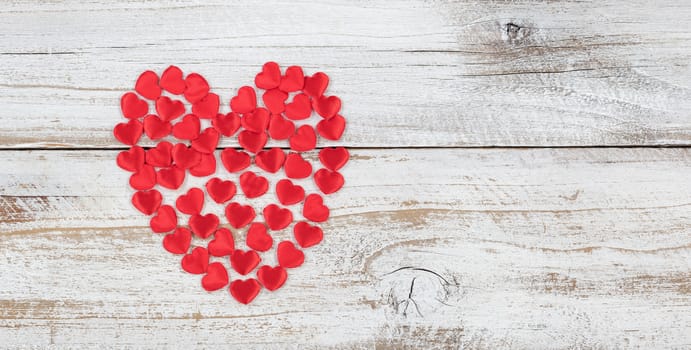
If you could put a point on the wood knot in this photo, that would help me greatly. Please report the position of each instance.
(512, 30)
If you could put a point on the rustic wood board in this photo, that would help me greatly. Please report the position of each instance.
(508, 249)
(411, 73)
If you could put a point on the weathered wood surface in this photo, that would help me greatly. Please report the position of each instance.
(411, 73)
(524, 249)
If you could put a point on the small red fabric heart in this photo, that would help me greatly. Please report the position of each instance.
(155, 128)
(168, 109)
(277, 218)
(245, 101)
(188, 128)
(269, 77)
(272, 278)
(280, 128)
(165, 220)
(161, 155)
(239, 215)
(144, 179)
(132, 159)
(328, 181)
(216, 277)
(304, 139)
(316, 84)
(171, 177)
(288, 255)
(327, 107)
(331, 128)
(132, 106)
(223, 243)
(252, 141)
(171, 80)
(271, 160)
(234, 161)
(256, 121)
(129, 133)
(205, 167)
(147, 85)
(196, 88)
(296, 167)
(191, 202)
(207, 107)
(334, 158)
(293, 80)
(196, 262)
(300, 108)
(289, 193)
(258, 238)
(226, 124)
(178, 242)
(245, 291)
(244, 261)
(185, 157)
(147, 202)
(207, 141)
(314, 209)
(203, 225)
(307, 235)
(252, 185)
(220, 191)
(275, 100)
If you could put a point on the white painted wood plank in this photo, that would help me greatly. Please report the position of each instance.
(410, 73)
(558, 249)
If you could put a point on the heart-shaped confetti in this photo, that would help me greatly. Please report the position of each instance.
(241, 221)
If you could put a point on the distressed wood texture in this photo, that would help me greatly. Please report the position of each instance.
(472, 249)
(411, 73)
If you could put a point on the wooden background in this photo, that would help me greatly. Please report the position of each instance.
(520, 175)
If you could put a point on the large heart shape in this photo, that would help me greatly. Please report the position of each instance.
(239, 217)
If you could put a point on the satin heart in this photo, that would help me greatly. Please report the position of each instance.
(220, 191)
(245, 101)
(307, 235)
(269, 77)
(165, 220)
(169, 109)
(132, 159)
(161, 155)
(196, 262)
(296, 167)
(280, 128)
(147, 85)
(226, 124)
(252, 185)
(205, 167)
(328, 181)
(207, 107)
(171, 178)
(132, 106)
(327, 107)
(196, 88)
(239, 215)
(245, 291)
(304, 139)
(191, 202)
(293, 80)
(185, 157)
(188, 128)
(252, 141)
(223, 243)
(129, 133)
(155, 128)
(288, 255)
(171, 80)
(203, 225)
(216, 277)
(272, 278)
(147, 202)
(256, 121)
(144, 178)
(244, 261)
(234, 161)
(271, 160)
(178, 242)
(289, 193)
(207, 141)
(314, 209)
(331, 128)
(300, 108)
(316, 84)
(258, 238)
(334, 158)
(275, 100)
(277, 218)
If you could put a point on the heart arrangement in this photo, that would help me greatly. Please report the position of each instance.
(188, 133)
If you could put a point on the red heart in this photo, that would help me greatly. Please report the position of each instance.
(280, 128)
(304, 139)
(185, 157)
(147, 85)
(144, 179)
(155, 128)
(277, 218)
(223, 243)
(226, 124)
(258, 238)
(205, 167)
(132, 159)
(216, 277)
(128, 133)
(316, 84)
(220, 191)
(169, 109)
(334, 158)
(269, 77)
(271, 160)
(192, 202)
(293, 80)
(171, 80)
(207, 107)
(275, 100)
(244, 261)
(256, 121)
(300, 108)
(207, 141)
(245, 101)
(178, 242)
(296, 167)
(234, 161)
(252, 185)
(171, 178)
(288, 255)
(314, 209)
(252, 141)
(272, 278)
(188, 128)
(327, 107)
(288, 193)
(307, 235)
(165, 220)
(331, 128)
(245, 291)
(328, 181)
(196, 88)
(147, 201)
(160, 156)
(203, 225)
(196, 262)
(132, 106)
(239, 215)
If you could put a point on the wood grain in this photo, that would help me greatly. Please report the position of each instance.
(473, 249)
(411, 73)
